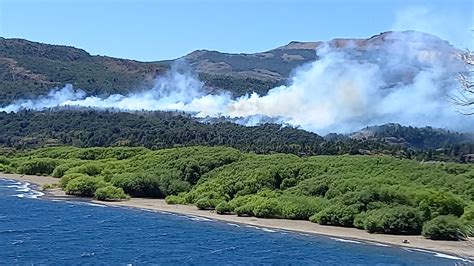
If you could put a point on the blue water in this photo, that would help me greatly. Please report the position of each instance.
(35, 230)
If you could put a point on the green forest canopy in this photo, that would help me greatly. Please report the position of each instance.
(157, 130)
(376, 193)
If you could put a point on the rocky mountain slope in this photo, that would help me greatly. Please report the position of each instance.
(28, 69)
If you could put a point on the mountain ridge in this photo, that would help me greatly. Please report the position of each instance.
(29, 69)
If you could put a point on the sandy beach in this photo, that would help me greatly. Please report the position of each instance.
(464, 249)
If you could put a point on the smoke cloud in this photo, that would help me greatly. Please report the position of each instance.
(53, 99)
(399, 77)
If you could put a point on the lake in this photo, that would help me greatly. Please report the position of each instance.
(40, 230)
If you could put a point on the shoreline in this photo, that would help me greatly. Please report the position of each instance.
(460, 249)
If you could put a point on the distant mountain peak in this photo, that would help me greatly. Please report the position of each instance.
(300, 45)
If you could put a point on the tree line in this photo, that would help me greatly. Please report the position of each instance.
(157, 130)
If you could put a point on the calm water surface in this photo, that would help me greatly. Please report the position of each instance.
(34, 230)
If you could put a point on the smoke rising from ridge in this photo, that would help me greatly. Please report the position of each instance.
(397, 77)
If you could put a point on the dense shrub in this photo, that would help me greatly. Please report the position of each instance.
(445, 227)
(435, 203)
(244, 210)
(6, 169)
(205, 204)
(37, 167)
(4, 160)
(288, 182)
(175, 199)
(399, 219)
(336, 214)
(68, 177)
(60, 170)
(110, 193)
(313, 187)
(138, 184)
(468, 219)
(224, 208)
(89, 168)
(300, 207)
(266, 208)
(152, 184)
(84, 186)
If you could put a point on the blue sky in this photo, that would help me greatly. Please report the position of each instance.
(149, 30)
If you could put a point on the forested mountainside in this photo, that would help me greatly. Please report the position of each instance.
(420, 138)
(29, 69)
(89, 128)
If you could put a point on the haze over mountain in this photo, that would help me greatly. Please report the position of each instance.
(340, 85)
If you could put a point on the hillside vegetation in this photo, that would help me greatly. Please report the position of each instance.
(29, 69)
(377, 193)
(420, 138)
(156, 130)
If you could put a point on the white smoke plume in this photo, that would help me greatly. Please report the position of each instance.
(404, 78)
(54, 98)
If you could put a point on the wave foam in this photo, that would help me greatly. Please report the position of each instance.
(446, 256)
(197, 218)
(261, 228)
(28, 192)
(231, 224)
(437, 254)
(346, 240)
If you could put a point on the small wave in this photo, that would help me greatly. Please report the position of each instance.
(303, 234)
(17, 242)
(14, 182)
(436, 254)
(252, 226)
(197, 218)
(21, 231)
(28, 192)
(419, 250)
(15, 186)
(223, 249)
(32, 194)
(261, 228)
(346, 240)
(80, 202)
(377, 244)
(23, 190)
(95, 204)
(446, 256)
(87, 254)
(231, 224)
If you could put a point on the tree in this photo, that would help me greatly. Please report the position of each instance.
(399, 219)
(445, 227)
(110, 193)
(466, 97)
(84, 186)
(224, 208)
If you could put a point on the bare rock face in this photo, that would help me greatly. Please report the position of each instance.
(280, 62)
